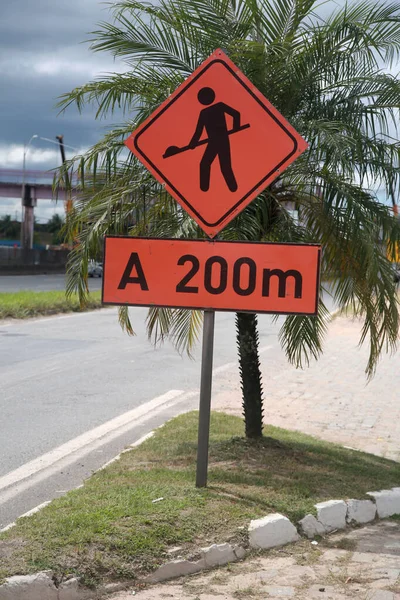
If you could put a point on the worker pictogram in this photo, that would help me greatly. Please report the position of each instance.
(216, 143)
(213, 121)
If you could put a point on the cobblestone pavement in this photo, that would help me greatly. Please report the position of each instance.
(368, 569)
(331, 398)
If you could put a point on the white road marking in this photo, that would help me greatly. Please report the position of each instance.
(232, 365)
(223, 368)
(137, 443)
(43, 474)
(40, 506)
(264, 349)
(7, 527)
(63, 316)
(43, 467)
(58, 317)
(33, 511)
(27, 514)
(145, 437)
(57, 454)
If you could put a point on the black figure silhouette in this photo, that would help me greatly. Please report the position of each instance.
(212, 119)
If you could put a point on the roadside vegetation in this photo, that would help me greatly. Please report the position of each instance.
(25, 304)
(125, 518)
(44, 233)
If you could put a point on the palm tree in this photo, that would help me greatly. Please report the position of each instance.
(5, 225)
(55, 223)
(331, 78)
(8, 228)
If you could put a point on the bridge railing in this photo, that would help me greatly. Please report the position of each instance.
(31, 176)
(17, 176)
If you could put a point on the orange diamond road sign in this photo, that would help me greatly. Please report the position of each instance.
(205, 274)
(216, 143)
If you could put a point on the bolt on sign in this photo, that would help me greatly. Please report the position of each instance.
(204, 274)
(216, 143)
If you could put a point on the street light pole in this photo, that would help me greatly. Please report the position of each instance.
(27, 220)
(68, 200)
(58, 143)
(26, 238)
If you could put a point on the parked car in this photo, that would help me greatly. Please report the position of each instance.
(95, 269)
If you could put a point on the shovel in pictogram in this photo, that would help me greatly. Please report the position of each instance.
(173, 150)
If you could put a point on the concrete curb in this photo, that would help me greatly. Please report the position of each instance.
(272, 531)
(213, 556)
(41, 586)
(336, 514)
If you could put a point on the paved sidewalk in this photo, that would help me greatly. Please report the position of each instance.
(331, 399)
(368, 569)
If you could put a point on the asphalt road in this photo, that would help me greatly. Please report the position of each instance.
(63, 376)
(39, 283)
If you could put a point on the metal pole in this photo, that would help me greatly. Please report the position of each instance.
(395, 207)
(68, 201)
(26, 148)
(205, 398)
(29, 225)
(22, 200)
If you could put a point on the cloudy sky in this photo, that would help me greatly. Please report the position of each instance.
(43, 55)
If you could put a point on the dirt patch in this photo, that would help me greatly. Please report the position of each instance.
(9, 547)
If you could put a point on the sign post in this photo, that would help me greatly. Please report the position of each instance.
(205, 398)
(215, 144)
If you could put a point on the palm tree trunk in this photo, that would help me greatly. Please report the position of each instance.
(250, 373)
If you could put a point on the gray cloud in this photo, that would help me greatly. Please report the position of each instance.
(41, 57)
(41, 24)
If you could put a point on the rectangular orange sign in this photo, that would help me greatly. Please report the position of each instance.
(204, 274)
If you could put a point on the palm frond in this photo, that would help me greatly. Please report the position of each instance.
(180, 326)
(302, 337)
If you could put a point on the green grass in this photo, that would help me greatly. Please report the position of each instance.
(111, 529)
(22, 305)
